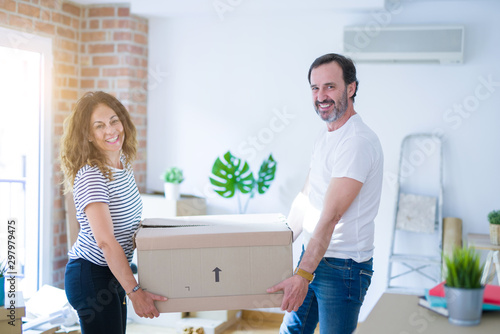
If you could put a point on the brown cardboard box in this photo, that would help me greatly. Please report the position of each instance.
(10, 320)
(221, 262)
(156, 206)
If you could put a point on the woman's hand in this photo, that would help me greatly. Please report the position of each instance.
(143, 303)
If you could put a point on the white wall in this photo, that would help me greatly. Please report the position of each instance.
(229, 79)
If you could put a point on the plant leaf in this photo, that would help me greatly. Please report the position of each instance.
(464, 269)
(231, 174)
(266, 174)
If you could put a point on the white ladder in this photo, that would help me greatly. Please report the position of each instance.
(415, 260)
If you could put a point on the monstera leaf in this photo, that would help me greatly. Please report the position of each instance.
(266, 174)
(230, 174)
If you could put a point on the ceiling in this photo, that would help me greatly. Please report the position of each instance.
(168, 8)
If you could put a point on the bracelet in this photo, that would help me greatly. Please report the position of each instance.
(137, 287)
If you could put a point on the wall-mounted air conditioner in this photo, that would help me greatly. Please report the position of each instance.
(407, 44)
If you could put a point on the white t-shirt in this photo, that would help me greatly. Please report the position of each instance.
(353, 151)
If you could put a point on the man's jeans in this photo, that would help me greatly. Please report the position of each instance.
(334, 298)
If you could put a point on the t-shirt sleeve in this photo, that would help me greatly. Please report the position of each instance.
(90, 187)
(354, 159)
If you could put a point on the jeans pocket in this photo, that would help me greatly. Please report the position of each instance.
(365, 279)
(73, 284)
(333, 263)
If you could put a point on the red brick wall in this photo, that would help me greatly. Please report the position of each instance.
(94, 48)
(114, 58)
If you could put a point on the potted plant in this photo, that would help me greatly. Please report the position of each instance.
(463, 289)
(231, 175)
(3, 269)
(172, 178)
(494, 219)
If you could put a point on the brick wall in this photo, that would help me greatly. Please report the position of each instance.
(114, 58)
(94, 48)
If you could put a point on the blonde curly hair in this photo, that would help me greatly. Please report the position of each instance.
(77, 151)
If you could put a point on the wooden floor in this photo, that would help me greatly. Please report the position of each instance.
(250, 323)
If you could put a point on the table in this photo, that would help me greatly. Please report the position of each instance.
(401, 314)
(482, 241)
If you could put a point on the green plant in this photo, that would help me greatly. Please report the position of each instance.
(3, 268)
(173, 175)
(464, 269)
(494, 217)
(233, 175)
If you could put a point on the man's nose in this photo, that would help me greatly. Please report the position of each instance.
(322, 96)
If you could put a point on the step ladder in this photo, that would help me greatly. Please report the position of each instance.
(415, 260)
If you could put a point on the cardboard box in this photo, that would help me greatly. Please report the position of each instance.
(221, 262)
(156, 206)
(10, 320)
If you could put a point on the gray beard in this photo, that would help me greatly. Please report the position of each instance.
(339, 109)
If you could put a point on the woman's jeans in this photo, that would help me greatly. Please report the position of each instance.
(97, 296)
(334, 298)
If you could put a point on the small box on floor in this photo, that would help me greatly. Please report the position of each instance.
(223, 262)
(10, 319)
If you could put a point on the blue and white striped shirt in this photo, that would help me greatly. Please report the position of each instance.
(125, 206)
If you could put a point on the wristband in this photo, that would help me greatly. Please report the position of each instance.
(302, 273)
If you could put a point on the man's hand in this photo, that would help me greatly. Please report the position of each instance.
(295, 291)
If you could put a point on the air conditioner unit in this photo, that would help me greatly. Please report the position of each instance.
(407, 44)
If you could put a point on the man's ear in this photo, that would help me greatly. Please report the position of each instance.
(351, 89)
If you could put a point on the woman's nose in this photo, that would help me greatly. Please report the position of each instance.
(109, 129)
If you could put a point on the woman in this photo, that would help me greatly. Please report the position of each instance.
(97, 149)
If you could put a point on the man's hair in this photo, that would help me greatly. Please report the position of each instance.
(347, 65)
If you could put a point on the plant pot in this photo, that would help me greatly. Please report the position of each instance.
(495, 234)
(2, 290)
(465, 306)
(171, 191)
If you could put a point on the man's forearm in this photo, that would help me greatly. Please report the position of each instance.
(318, 244)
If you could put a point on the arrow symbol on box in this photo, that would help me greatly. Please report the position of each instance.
(216, 271)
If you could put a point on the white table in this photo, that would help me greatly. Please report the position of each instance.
(401, 314)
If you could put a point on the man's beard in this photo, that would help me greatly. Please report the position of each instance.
(338, 111)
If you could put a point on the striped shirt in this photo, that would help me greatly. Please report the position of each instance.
(125, 206)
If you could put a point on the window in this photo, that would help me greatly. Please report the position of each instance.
(25, 152)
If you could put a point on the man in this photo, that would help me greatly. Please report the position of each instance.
(335, 210)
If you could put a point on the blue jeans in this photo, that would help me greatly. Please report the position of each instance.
(334, 298)
(97, 297)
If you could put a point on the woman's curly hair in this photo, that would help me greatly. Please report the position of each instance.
(76, 149)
